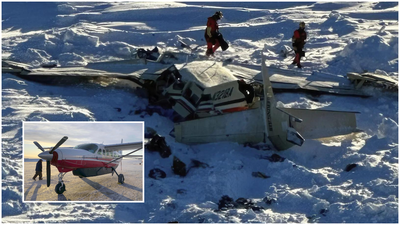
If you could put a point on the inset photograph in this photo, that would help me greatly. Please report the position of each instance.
(83, 161)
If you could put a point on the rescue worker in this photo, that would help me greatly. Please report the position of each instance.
(212, 32)
(38, 170)
(298, 42)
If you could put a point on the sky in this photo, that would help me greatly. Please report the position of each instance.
(47, 134)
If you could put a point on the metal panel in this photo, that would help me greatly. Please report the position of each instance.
(323, 123)
(244, 126)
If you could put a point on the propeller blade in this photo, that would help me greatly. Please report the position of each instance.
(58, 144)
(48, 173)
(38, 146)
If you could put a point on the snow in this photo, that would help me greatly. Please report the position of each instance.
(310, 185)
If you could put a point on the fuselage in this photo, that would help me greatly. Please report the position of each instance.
(82, 157)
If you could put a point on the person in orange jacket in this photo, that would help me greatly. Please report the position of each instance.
(212, 32)
(298, 42)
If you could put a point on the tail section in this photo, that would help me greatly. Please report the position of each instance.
(278, 124)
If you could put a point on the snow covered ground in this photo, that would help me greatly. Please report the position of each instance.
(310, 185)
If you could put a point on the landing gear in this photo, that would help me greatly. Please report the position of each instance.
(60, 187)
(121, 178)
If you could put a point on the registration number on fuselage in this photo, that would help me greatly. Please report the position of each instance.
(223, 94)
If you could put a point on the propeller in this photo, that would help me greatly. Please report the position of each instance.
(38, 145)
(59, 144)
(48, 156)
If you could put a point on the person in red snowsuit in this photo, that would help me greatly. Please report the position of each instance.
(212, 32)
(298, 42)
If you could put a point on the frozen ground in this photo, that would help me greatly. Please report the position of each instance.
(89, 189)
(310, 185)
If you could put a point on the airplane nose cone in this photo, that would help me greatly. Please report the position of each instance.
(46, 156)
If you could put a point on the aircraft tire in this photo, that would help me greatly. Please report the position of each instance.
(121, 178)
(60, 188)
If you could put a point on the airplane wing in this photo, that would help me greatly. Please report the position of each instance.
(124, 146)
(134, 156)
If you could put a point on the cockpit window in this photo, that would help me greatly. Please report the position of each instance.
(88, 147)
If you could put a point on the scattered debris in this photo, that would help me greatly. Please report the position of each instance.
(260, 174)
(148, 54)
(273, 158)
(179, 167)
(313, 218)
(324, 211)
(372, 79)
(197, 163)
(243, 202)
(149, 132)
(350, 167)
(157, 174)
(158, 144)
(269, 200)
(49, 65)
(227, 202)
(181, 191)
(151, 109)
(259, 146)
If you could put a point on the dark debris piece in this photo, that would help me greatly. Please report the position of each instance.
(273, 158)
(149, 132)
(260, 174)
(350, 167)
(179, 167)
(262, 147)
(226, 202)
(276, 158)
(157, 174)
(158, 144)
(181, 191)
(245, 203)
(269, 200)
(151, 109)
(324, 211)
(257, 208)
(197, 163)
(312, 219)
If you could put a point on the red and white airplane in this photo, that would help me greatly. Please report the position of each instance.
(85, 160)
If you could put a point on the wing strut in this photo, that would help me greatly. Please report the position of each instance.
(124, 155)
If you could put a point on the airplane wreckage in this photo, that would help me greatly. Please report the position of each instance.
(214, 100)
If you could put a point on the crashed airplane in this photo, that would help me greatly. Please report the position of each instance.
(262, 119)
(214, 105)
